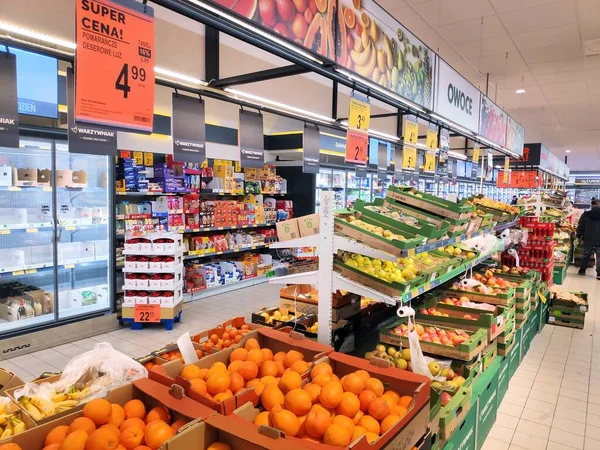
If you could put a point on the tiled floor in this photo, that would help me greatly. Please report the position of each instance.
(553, 401)
(197, 316)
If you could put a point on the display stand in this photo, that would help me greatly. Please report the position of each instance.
(325, 279)
(153, 280)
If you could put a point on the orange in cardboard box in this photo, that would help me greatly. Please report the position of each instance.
(217, 369)
(322, 429)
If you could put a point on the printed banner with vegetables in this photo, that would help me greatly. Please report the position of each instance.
(376, 46)
(492, 123)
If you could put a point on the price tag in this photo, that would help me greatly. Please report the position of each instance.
(551, 319)
(69, 266)
(125, 154)
(18, 272)
(114, 64)
(14, 188)
(30, 271)
(432, 139)
(360, 113)
(4, 231)
(31, 230)
(146, 313)
(148, 159)
(356, 147)
(139, 158)
(411, 132)
(476, 154)
(409, 158)
(542, 297)
(583, 308)
(70, 228)
(47, 189)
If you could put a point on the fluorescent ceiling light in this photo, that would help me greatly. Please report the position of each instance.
(179, 76)
(378, 88)
(287, 108)
(452, 124)
(457, 155)
(9, 28)
(567, 151)
(256, 30)
(520, 91)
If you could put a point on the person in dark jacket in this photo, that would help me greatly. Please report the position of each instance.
(588, 230)
(514, 200)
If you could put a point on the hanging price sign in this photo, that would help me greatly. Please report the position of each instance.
(360, 113)
(429, 166)
(432, 139)
(409, 158)
(476, 154)
(146, 313)
(139, 158)
(411, 132)
(149, 159)
(357, 144)
(114, 63)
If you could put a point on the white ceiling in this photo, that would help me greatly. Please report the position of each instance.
(534, 44)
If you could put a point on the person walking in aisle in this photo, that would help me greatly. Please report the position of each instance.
(588, 230)
(514, 200)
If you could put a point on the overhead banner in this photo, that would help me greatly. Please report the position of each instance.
(490, 165)
(87, 139)
(456, 98)
(492, 122)
(114, 63)
(188, 128)
(310, 149)
(404, 63)
(475, 161)
(515, 136)
(382, 160)
(251, 139)
(9, 113)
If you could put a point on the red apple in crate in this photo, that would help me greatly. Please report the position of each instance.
(423, 311)
(457, 340)
(431, 310)
(426, 338)
(469, 317)
(446, 398)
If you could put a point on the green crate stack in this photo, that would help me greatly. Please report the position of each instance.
(515, 354)
(464, 437)
(559, 274)
(486, 391)
(503, 377)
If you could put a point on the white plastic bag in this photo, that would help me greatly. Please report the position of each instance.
(417, 359)
(94, 372)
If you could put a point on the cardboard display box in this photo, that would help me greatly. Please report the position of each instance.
(486, 389)
(502, 378)
(465, 431)
(452, 415)
(308, 225)
(287, 230)
(150, 392)
(168, 374)
(8, 380)
(405, 434)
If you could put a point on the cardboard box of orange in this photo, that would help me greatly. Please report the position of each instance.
(274, 340)
(209, 344)
(149, 392)
(200, 434)
(404, 435)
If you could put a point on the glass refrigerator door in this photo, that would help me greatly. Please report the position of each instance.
(27, 270)
(84, 239)
(323, 182)
(380, 187)
(339, 189)
(352, 188)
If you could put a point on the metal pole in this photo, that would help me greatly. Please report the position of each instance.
(325, 267)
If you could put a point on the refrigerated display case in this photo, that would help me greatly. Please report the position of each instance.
(380, 187)
(357, 188)
(55, 234)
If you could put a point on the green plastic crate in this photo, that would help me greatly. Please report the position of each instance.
(515, 353)
(559, 274)
(394, 289)
(503, 299)
(464, 437)
(486, 390)
(503, 377)
(431, 203)
(454, 412)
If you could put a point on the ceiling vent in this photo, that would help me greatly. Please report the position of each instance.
(591, 47)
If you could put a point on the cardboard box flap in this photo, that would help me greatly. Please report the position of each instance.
(184, 406)
(277, 337)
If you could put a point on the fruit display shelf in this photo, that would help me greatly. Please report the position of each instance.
(504, 298)
(463, 348)
(430, 203)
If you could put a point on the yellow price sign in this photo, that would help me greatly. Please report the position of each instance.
(31, 230)
(429, 163)
(505, 176)
(411, 132)
(4, 231)
(16, 273)
(476, 155)
(30, 271)
(432, 139)
(148, 159)
(359, 116)
(506, 163)
(69, 266)
(542, 297)
(409, 158)
(139, 158)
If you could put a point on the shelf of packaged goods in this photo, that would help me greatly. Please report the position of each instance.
(132, 305)
(167, 289)
(297, 278)
(148, 193)
(40, 268)
(236, 193)
(192, 255)
(176, 252)
(307, 241)
(234, 227)
(49, 188)
(341, 282)
(209, 292)
(172, 270)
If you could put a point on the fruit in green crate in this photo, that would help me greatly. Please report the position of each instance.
(445, 398)
(458, 381)
(448, 373)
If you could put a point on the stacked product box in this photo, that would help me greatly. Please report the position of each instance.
(568, 309)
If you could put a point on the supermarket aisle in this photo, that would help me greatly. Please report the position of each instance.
(197, 316)
(553, 402)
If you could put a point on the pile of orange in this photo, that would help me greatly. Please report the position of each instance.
(106, 426)
(330, 410)
(231, 335)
